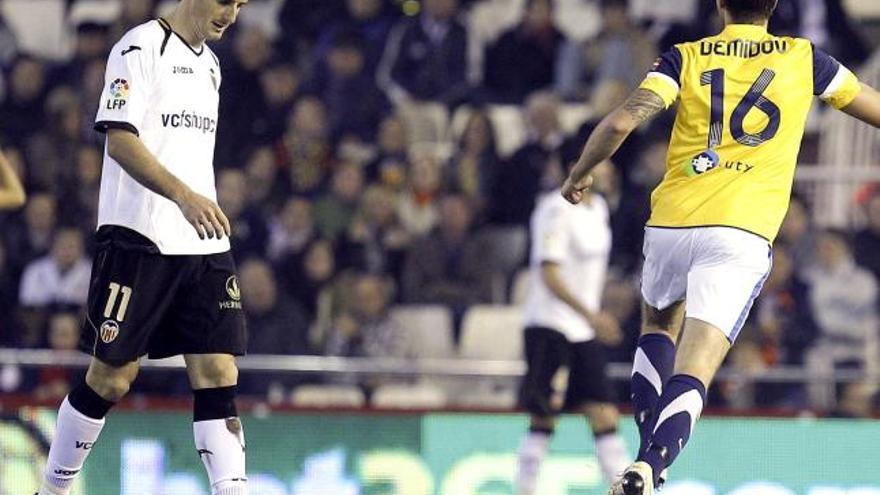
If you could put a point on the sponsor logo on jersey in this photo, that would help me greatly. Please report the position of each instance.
(182, 69)
(109, 331)
(85, 445)
(66, 472)
(189, 120)
(131, 48)
(702, 163)
(119, 90)
(234, 292)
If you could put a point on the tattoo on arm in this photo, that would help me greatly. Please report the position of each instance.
(643, 104)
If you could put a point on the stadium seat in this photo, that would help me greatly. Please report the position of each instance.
(492, 332)
(328, 396)
(510, 128)
(429, 328)
(421, 396)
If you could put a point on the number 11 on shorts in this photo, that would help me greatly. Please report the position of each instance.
(115, 289)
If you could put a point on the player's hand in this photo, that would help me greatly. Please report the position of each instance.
(204, 215)
(574, 192)
(607, 328)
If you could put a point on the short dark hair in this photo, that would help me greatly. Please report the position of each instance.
(750, 9)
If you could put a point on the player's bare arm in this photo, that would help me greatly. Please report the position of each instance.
(607, 329)
(131, 154)
(866, 106)
(12, 193)
(607, 138)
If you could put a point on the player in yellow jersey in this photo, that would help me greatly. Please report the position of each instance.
(743, 100)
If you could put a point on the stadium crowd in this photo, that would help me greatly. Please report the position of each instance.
(364, 161)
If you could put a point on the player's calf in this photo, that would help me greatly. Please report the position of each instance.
(80, 421)
(219, 439)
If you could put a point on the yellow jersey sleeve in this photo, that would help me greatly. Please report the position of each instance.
(664, 79)
(832, 82)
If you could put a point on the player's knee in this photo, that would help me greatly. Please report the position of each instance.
(214, 372)
(603, 417)
(111, 382)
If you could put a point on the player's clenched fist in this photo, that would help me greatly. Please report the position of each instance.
(573, 191)
(204, 215)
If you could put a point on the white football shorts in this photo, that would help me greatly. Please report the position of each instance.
(718, 271)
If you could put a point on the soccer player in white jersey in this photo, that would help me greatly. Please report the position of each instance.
(570, 246)
(163, 281)
(743, 99)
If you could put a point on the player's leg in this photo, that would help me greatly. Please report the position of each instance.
(217, 429)
(545, 351)
(604, 419)
(727, 273)
(80, 420)
(590, 392)
(653, 363)
(667, 255)
(701, 351)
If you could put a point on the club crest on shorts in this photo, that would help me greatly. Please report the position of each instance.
(702, 163)
(109, 331)
(233, 289)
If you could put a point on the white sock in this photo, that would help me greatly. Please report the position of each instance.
(612, 454)
(220, 443)
(532, 451)
(75, 434)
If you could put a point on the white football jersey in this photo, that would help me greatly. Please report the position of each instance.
(578, 239)
(166, 92)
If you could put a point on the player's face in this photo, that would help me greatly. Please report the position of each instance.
(215, 16)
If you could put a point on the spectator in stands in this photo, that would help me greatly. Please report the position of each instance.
(537, 166)
(335, 208)
(473, 169)
(784, 328)
(32, 237)
(448, 266)
(21, 113)
(81, 193)
(134, 12)
(242, 106)
(826, 23)
(375, 242)
(301, 22)
(306, 146)
(621, 52)
(867, 241)
(266, 190)
(856, 401)
(276, 325)
(631, 215)
(292, 229)
(9, 335)
(92, 42)
(799, 234)
(364, 327)
(371, 20)
(621, 299)
(354, 103)
(54, 382)
(250, 235)
(426, 56)
(843, 297)
(417, 207)
(523, 59)
(280, 82)
(389, 165)
(308, 279)
(61, 277)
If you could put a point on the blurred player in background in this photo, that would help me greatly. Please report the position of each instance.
(163, 280)
(12, 193)
(564, 326)
(744, 96)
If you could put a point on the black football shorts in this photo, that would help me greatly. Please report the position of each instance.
(142, 302)
(546, 351)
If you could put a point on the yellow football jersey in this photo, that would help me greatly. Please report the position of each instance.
(745, 95)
